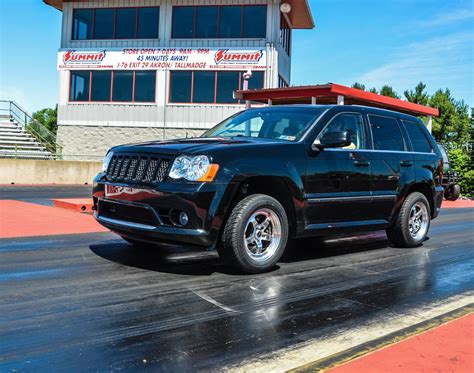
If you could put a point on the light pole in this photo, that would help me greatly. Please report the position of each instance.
(247, 75)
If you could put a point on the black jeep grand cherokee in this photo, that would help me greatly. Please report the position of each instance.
(267, 175)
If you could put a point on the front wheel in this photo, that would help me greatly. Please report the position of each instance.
(413, 222)
(255, 234)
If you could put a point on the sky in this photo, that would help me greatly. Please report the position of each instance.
(374, 42)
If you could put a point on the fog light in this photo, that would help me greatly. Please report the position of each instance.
(183, 218)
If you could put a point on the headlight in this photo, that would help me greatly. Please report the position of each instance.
(107, 160)
(198, 168)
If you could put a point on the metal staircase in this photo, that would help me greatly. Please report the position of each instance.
(23, 137)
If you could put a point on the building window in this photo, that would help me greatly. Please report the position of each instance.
(206, 22)
(112, 86)
(222, 21)
(126, 23)
(116, 23)
(209, 87)
(204, 84)
(230, 25)
(104, 23)
(282, 83)
(82, 24)
(183, 22)
(80, 85)
(254, 21)
(145, 83)
(285, 35)
(101, 81)
(180, 86)
(148, 20)
(226, 83)
(257, 80)
(123, 86)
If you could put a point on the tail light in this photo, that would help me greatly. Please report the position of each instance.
(441, 169)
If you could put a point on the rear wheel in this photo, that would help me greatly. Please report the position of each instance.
(412, 223)
(255, 234)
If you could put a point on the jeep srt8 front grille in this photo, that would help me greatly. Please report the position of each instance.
(139, 169)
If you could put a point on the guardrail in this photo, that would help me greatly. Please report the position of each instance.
(44, 136)
(17, 154)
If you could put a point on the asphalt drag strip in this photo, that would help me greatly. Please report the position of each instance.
(93, 302)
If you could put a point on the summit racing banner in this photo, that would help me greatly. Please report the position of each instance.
(163, 59)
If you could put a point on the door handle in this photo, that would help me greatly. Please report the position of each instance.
(406, 163)
(362, 163)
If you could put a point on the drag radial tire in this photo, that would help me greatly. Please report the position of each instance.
(255, 234)
(412, 223)
(452, 192)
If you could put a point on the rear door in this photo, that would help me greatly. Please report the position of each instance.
(425, 154)
(392, 164)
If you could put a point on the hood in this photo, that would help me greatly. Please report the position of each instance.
(194, 146)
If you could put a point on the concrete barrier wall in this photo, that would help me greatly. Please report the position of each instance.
(30, 171)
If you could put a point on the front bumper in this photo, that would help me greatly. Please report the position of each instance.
(156, 234)
(144, 213)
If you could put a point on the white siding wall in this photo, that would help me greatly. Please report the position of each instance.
(162, 114)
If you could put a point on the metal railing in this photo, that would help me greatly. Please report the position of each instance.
(44, 136)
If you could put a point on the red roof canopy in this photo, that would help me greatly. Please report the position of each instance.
(328, 93)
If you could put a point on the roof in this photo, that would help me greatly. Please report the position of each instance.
(300, 14)
(328, 93)
(58, 4)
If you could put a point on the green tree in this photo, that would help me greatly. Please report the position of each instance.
(386, 90)
(419, 95)
(47, 117)
(360, 86)
(461, 162)
(453, 126)
(373, 90)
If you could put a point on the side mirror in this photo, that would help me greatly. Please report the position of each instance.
(336, 139)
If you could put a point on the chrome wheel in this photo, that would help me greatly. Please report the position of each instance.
(418, 221)
(262, 235)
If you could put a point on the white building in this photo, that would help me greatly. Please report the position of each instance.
(138, 70)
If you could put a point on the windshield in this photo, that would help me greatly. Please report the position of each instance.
(284, 123)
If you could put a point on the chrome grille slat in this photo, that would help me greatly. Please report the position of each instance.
(124, 169)
(112, 165)
(162, 171)
(138, 168)
(117, 167)
(151, 170)
(132, 168)
(141, 169)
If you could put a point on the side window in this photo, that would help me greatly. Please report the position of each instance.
(79, 85)
(82, 24)
(386, 133)
(418, 139)
(351, 122)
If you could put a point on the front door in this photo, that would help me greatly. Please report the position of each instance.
(338, 180)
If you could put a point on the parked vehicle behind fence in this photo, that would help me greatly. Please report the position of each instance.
(452, 189)
(269, 175)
